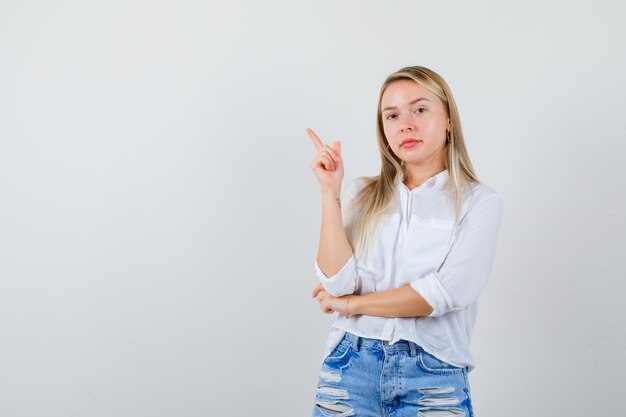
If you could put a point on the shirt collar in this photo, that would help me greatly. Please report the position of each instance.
(436, 181)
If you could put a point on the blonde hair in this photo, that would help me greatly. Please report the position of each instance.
(374, 201)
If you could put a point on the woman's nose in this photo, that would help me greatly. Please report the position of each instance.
(406, 124)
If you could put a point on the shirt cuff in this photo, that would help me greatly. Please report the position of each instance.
(435, 295)
(343, 282)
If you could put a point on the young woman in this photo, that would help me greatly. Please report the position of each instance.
(406, 262)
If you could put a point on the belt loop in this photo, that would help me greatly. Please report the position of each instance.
(413, 349)
(355, 343)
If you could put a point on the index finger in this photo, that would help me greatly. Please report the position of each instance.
(319, 287)
(316, 140)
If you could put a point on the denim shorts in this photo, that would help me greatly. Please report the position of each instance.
(368, 377)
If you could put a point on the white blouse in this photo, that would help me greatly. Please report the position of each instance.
(419, 245)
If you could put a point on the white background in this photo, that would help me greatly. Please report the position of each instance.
(159, 219)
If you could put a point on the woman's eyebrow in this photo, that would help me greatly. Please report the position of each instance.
(413, 102)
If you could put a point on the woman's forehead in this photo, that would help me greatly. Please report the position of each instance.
(405, 92)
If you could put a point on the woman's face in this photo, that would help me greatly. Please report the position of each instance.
(409, 111)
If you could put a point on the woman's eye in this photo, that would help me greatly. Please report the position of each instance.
(419, 110)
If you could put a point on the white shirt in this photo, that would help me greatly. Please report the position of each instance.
(419, 245)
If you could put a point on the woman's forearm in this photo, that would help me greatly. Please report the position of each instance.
(398, 302)
(334, 250)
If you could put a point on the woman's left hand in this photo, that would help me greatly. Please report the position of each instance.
(329, 303)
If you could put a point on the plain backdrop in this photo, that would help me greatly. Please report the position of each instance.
(159, 219)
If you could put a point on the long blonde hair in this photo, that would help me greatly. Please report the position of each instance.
(374, 201)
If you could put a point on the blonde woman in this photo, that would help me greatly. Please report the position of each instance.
(403, 259)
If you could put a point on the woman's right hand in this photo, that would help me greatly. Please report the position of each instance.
(328, 164)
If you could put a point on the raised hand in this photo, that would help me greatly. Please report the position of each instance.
(328, 164)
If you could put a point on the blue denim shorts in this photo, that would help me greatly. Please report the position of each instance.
(368, 377)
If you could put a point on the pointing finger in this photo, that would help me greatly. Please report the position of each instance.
(316, 140)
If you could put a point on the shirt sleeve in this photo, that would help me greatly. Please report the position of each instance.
(467, 266)
(346, 280)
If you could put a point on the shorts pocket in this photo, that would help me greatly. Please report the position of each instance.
(432, 364)
(340, 351)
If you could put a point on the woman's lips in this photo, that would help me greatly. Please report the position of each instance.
(410, 143)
